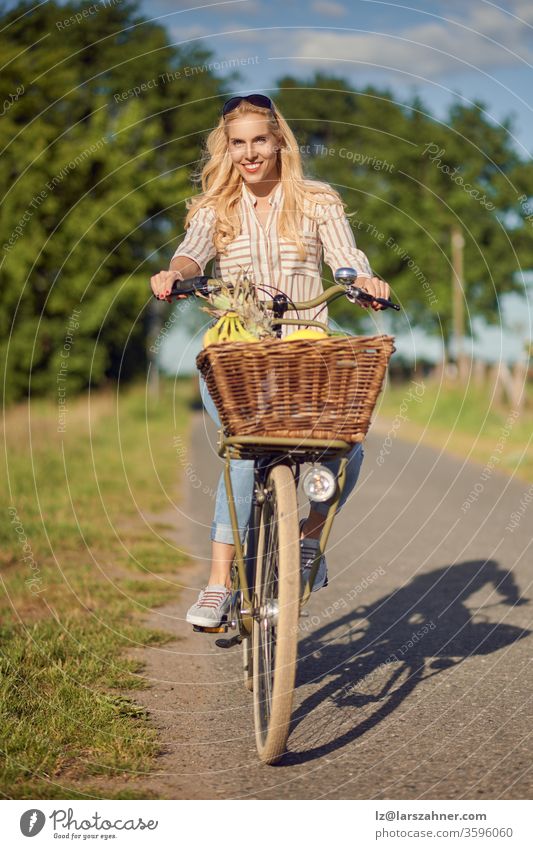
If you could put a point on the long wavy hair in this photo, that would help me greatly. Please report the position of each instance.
(221, 182)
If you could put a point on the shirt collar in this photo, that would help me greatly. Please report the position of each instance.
(274, 199)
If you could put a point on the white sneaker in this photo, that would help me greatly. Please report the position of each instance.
(211, 607)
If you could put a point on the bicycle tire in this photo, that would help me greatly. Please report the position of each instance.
(275, 639)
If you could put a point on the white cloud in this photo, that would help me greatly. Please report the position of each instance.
(210, 7)
(521, 8)
(235, 32)
(242, 7)
(329, 7)
(432, 48)
(186, 33)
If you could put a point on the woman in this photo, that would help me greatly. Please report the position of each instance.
(257, 211)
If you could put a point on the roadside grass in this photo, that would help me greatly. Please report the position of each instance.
(83, 555)
(464, 421)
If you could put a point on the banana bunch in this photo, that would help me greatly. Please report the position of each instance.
(248, 320)
(229, 328)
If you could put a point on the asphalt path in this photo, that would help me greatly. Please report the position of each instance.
(414, 673)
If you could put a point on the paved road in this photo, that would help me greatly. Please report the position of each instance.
(414, 675)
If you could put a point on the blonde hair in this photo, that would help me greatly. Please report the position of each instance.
(222, 183)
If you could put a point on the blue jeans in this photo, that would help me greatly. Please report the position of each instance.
(242, 482)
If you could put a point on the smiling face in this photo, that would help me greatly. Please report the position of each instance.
(253, 148)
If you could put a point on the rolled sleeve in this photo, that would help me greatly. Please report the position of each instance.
(198, 242)
(338, 241)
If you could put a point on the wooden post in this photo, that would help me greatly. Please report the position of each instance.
(519, 381)
(457, 243)
(479, 373)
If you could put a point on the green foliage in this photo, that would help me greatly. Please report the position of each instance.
(95, 176)
(102, 126)
(404, 175)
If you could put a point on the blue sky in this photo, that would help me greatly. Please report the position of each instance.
(475, 49)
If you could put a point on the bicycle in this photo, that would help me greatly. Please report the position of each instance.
(267, 593)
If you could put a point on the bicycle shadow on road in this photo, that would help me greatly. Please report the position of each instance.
(377, 655)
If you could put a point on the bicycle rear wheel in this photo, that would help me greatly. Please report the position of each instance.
(275, 625)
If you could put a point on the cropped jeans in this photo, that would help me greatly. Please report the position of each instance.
(242, 482)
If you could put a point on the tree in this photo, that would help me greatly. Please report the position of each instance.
(97, 153)
(409, 179)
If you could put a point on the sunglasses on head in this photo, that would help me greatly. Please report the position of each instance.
(254, 99)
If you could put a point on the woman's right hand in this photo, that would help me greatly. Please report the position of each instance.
(162, 284)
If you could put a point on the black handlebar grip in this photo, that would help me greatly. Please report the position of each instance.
(190, 286)
(359, 294)
(386, 303)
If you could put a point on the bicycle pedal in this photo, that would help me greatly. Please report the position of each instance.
(220, 629)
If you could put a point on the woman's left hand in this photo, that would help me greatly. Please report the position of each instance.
(374, 286)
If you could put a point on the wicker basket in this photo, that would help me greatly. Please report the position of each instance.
(309, 388)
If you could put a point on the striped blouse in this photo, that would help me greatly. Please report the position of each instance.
(272, 260)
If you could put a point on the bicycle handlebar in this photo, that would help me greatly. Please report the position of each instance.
(207, 285)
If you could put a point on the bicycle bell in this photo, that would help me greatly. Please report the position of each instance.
(345, 276)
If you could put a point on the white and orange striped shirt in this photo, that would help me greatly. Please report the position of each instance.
(272, 260)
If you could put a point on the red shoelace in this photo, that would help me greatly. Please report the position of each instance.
(212, 598)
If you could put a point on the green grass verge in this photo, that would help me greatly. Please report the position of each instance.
(82, 557)
(465, 420)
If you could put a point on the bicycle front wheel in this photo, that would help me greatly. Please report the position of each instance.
(275, 623)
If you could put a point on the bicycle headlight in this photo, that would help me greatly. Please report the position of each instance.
(319, 483)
